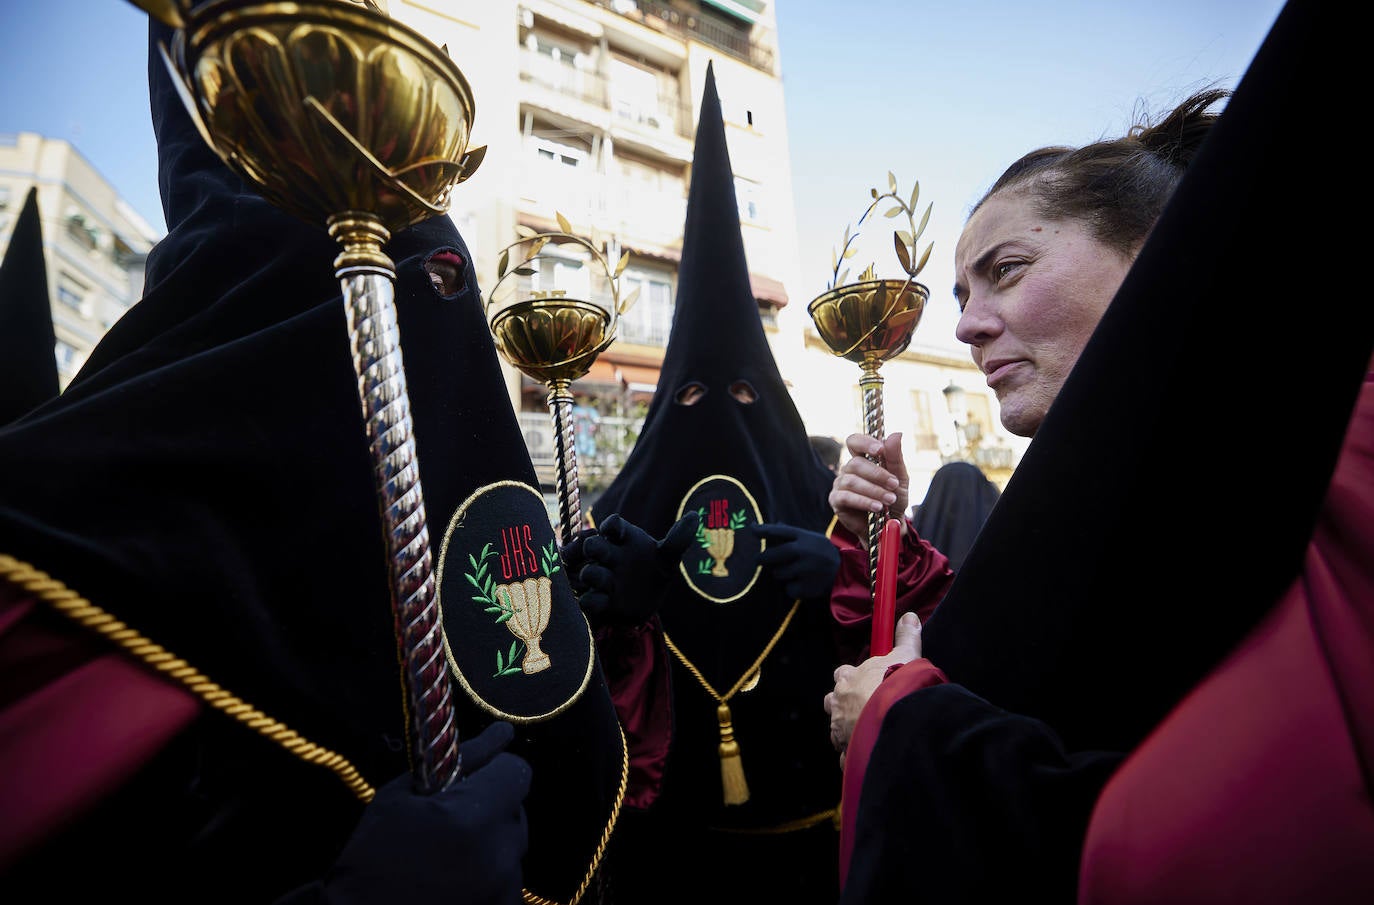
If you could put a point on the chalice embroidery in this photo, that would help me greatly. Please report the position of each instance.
(522, 603)
(718, 540)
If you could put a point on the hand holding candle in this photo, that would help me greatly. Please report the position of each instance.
(885, 588)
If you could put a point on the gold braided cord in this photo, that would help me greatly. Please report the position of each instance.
(535, 898)
(757, 664)
(87, 615)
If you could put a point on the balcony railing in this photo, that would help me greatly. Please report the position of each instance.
(564, 78)
(700, 26)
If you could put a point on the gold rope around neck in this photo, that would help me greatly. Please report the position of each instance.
(735, 789)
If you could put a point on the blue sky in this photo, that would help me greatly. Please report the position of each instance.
(944, 93)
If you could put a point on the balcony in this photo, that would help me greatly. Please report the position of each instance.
(709, 29)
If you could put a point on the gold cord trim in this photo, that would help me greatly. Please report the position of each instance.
(86, 614)
(536, 899)
(734, 787)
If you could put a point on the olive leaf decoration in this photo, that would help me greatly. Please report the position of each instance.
(506, 665)
(533, 244)
(498, 605)
(550, 560)
(904, 241)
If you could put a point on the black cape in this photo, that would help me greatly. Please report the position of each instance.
(206, 479)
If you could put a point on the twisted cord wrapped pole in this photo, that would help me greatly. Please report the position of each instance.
(565, 447)
(872, 385)
(367, 277)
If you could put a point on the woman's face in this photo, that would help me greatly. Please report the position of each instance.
(1031, 291)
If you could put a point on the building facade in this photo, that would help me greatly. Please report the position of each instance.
(94, 243)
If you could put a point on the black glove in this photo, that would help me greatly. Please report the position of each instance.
(627, 570)
(461, 846)
(804, 562)
(574, 558)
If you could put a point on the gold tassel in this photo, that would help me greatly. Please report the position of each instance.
(731, 770)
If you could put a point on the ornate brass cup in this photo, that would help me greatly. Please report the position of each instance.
(554, 338)
(353, 121)
(530, 604)
(871, 321)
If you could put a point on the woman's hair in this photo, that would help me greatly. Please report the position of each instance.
(1117, 187)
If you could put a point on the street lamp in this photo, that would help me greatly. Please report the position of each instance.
(956, 400)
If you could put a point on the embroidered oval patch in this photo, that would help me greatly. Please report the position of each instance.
(515, 638)
(723, 563)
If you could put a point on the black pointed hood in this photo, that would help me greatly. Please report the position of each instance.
(717, 339)
(28, 360)
(1140, 538)
(738, 464)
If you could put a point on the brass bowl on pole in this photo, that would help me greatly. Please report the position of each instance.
(872, 320)
(554, 338)
(348, 119)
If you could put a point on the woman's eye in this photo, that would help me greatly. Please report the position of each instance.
(1002, 269)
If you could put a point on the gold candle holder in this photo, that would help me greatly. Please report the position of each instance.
(350, 120)
(871, 321)
(554, 338)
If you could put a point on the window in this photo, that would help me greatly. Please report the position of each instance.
(72, 294)
(747, 193)
(555, 153)
(68, 359)
(80, 229)
(636, 95)
(924, 437)
(650, 319)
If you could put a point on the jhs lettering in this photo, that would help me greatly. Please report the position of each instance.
(518, 560)
(719, 516)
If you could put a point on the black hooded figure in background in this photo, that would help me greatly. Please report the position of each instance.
(28, 362)
(202, 697)
(733, 781)
(959, 500)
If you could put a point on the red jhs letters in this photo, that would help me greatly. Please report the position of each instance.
(719, 516)
(519, 559)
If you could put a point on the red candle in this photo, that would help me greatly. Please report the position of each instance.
(885, 588)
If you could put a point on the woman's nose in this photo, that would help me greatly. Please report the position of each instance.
(976, 323)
